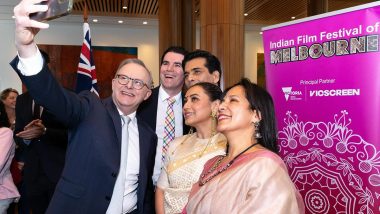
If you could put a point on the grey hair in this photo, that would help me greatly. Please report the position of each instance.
(138, 62)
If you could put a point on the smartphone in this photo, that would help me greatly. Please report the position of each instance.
(56, 8)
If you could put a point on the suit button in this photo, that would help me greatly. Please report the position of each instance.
(113, 174)
(108, 198)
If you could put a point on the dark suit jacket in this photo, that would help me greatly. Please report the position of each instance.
(148, 110)
(47, 153)
(93, 154)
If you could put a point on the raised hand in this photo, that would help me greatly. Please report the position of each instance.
(26, 28)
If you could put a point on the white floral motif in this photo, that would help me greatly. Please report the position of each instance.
(328, 161)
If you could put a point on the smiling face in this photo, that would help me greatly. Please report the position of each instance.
(125, 97)
(235, 112)
(196, 71)
(197, 108)
(10, 100)
(171, 73)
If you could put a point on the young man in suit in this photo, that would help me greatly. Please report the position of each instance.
(44, 141)
(154, 110)
(101, 132)
(201, 66)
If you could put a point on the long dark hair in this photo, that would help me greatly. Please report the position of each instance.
(260, 100)
(4, 122)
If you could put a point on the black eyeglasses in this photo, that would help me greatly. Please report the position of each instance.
(136, 83)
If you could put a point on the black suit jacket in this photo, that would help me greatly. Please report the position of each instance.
(47, 153)
(93, 154)
(148, 110)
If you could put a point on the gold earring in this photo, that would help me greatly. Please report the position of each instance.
(213, 123)
(213, 114)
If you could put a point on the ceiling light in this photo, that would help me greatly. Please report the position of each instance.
(95, 20)
(125, 7)
(145, 22)
(120, 21)
(196, 11)
(245, 14)
(261, 32)
(125, 4)
(293, 17)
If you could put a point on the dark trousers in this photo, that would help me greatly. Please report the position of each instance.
(39, 193)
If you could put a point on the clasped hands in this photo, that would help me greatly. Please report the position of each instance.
(34, 129)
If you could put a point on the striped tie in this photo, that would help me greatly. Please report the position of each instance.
(169, 131)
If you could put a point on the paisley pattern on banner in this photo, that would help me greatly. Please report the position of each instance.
(324, 165)
(323, 75)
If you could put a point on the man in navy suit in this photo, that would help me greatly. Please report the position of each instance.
(87, 184)
(153, 110)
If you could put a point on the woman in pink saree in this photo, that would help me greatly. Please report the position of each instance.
(251, 177)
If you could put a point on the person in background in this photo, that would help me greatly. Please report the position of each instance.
(201, 66)
(44, 141)
(8, 98)
(187, 154)
(110, 155)
(166, 98)
(250, 177)
(8, 190)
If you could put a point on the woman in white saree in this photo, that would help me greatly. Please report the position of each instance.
(187, 155)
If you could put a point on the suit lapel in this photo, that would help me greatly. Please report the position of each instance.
(142, 143)
(155, 105)
(114, 114)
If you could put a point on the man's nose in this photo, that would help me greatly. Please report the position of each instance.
(129, 84)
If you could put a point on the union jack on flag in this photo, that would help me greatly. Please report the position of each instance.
(86, 75)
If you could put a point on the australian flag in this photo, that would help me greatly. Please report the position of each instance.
(86, 75)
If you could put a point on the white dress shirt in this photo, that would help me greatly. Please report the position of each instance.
(133, 166)
(31, 65)
(162, 106)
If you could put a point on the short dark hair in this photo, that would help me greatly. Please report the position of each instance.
(260, 100)
(174, 49)
(213, 91)
(212, 62)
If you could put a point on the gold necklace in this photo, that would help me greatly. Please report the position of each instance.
(209, 140)
(188, 136)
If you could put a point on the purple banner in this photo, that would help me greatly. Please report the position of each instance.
(324, 75)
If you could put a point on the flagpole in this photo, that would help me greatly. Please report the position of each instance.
(85, 12)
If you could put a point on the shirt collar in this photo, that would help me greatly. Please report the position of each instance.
(163, 95)
(131, 116)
